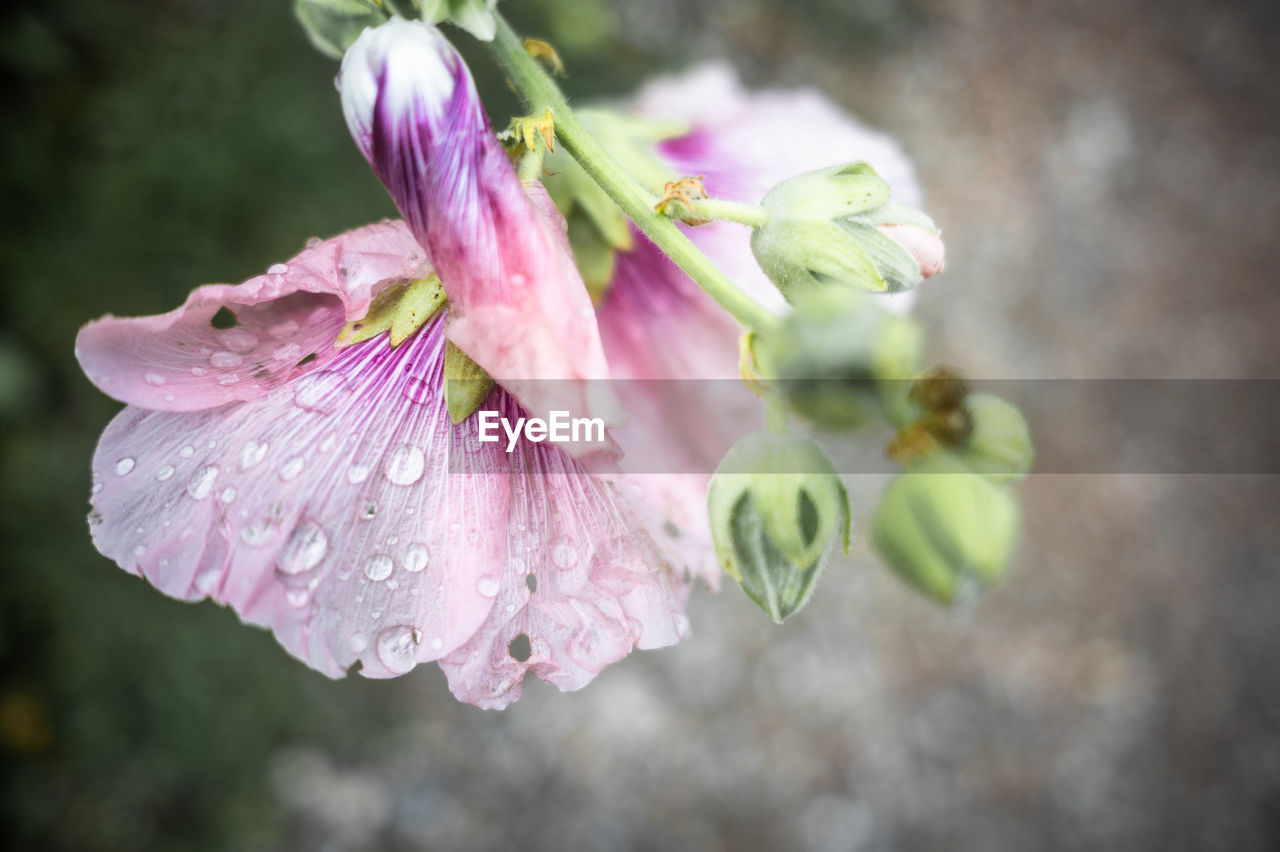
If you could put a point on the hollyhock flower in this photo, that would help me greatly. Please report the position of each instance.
(323, 492)
(518, 305)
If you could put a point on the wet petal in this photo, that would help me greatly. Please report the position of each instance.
(232, 343)
(583, 582)
(518, 305)
(348, 515)
(322, 510)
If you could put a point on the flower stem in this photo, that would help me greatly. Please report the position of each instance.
(752, 215)
(540, 92)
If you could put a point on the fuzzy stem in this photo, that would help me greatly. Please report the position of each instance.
(540, 92)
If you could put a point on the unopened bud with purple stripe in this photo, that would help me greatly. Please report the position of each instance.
(517, 304)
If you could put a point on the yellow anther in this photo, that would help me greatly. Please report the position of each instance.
(545, 54)
(528, 129)
(683, 192)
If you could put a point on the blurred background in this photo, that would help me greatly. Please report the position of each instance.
(1106, 174)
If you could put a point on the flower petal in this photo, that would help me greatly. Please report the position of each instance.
(346, 513)
(747, 142)
(583, 582)
(323, 510)
(518, 305)
(233, 343)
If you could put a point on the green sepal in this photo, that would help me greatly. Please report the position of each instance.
(800, 255)
(400, 309)
(827, 194)
(466, 384)
(840, 358)
(777, 509)
(595, 257)
(945, 530)
(332, 25)
(474, 16)
(999, 445)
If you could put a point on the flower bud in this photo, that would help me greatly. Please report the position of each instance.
(839, 225)
(839, 357)
(777, 509)
(945, 530)
(999, 443)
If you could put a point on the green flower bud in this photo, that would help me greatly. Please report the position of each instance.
(839, 357)
(839, 225)
(945, 530)
(999, 444)
(777, 510)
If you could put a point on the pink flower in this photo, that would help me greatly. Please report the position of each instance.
(323, 493)
(518, 307)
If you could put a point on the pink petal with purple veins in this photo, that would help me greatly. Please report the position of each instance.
(346, 513)
(285, 325)
(518, 305)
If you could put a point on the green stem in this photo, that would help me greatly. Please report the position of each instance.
(539, 93)
(714, 208)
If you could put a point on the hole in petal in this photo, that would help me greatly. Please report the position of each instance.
(531, 582)
(224, 318)
(307, 360)
(520, 648)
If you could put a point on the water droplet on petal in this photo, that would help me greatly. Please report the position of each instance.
(405, 466)
(378, 568)
(139, 551)
(165, 471)
(277, 269)
(187, 452)
(287, 351)
(297, 597)
(225, 360)
(258, 533)
(306, 547)
(97, 488)
(291, 468)
(437, 642)
(313, 242)
(563, 555)
(201, 484)
(398, 648)
(417, 390)
(415, 558)
(154, 379)
(124, 466)
(357, 473)
(358, 642)
(228, 379)
(238, 340)
(320, 392)
(251, 453)
(207, 580)
(198, 371)
(228, 494)
(682, 626)
(281, 330)
(488, 586)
